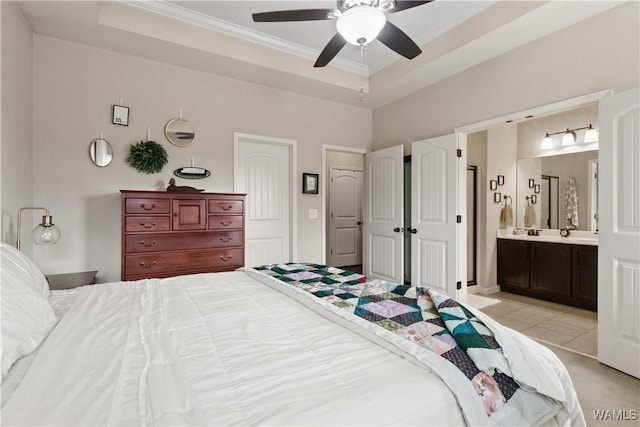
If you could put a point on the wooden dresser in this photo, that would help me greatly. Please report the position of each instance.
(168, 234)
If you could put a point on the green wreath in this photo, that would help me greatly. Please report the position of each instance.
(147, 156)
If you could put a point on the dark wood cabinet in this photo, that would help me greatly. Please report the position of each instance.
(515, 272)
(551, 268)
(559, 272)
(585, 275)
(168, 234)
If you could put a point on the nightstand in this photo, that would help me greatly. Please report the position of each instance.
(71, 280)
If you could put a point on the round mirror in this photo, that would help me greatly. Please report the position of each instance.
(180, 132)
(100, 152)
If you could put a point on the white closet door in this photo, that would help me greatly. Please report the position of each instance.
(619, 228)
(263, 172)
(345, 218)
(383, 220)
(438, 190)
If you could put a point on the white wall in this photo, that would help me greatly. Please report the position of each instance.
(602, 52)
(502, 150)
(17, 126)
(75, 87)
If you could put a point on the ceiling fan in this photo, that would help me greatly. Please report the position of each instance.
(358, 22)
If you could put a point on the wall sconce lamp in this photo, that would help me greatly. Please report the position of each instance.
(46, 233)
(569, 137)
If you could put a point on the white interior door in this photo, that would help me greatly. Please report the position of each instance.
(345, 217)
(438, 204)
(263, 170)
(383, 214)
(619, 228)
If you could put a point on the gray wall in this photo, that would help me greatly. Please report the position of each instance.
(16, 166)
(75, 87)
(602, 52)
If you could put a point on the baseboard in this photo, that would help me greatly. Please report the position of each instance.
(487, 291)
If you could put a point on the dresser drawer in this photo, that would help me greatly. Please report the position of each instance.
(147, 206)
(221, 222)
(152, 265)
(147, 223)
(151, 242)
(225, 206)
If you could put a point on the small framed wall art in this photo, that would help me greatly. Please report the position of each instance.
(500, 179)
(310, 183)
(493, 185)
(120, 115)
(497, 197)
(536, 188)
(532, 182)
(534, 199)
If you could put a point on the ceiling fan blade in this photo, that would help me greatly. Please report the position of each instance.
(294, 15)
(404, 5)
(396, 39)
(332, 48)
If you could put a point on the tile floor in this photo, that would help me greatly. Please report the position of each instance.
(572, 328)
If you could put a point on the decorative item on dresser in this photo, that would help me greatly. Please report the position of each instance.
(167, 234)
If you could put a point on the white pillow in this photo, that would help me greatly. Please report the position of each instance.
(22, 270)
(27, 316)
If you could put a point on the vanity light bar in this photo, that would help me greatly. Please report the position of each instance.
(591, 135)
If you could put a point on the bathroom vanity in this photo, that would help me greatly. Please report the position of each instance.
(550, 267)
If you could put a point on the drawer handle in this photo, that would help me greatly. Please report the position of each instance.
(143, 265)
(226, 223)
(225, 260)
(153, 224)
(148, 245)
(223, 240)
(225, 207)
(153, 206)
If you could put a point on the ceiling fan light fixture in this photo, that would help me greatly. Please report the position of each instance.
(360, 25)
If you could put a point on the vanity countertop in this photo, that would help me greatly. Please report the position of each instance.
(577, 237)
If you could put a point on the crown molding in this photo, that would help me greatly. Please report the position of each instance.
(174, 11)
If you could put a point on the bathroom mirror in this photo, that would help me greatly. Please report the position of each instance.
(552, 173)
(100, 152)
(180, 132)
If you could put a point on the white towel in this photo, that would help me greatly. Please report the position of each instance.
(529, 216)
(506, 216)
(571, 203)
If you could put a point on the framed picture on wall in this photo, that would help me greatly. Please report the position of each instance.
(310, 183)
(497, 197)
(500, 179)
(120, 115)
(531, 182)
(534, 199)
(536, 188)
(493, 185)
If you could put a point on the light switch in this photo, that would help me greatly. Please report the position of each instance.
(313, 213)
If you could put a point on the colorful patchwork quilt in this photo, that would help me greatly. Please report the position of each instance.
(431, 320)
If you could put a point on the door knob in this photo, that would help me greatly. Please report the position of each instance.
(413, 230)
(398, 229)
(359, 222)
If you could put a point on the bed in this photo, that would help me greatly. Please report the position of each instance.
(288, 344)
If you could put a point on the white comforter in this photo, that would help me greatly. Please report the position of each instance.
(216, 349)
(224, 349)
